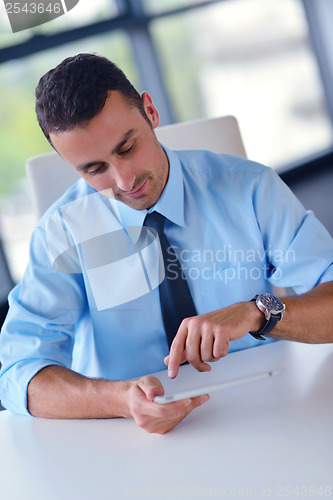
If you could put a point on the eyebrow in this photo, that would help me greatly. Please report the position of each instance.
(121, 143)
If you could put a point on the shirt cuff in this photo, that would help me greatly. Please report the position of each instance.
(14, 384)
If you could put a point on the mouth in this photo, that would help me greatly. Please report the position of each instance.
(138, 192)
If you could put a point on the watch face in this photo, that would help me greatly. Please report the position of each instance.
(271, 303)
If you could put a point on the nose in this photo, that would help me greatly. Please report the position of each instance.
(123, 176)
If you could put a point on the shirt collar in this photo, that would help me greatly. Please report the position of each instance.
(170, 203)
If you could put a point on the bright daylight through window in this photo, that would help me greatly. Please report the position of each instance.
(249, 58)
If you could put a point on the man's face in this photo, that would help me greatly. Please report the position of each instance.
(117, 152)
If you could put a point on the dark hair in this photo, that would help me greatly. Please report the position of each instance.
(76, 91)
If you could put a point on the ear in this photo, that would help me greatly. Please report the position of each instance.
(150, 109)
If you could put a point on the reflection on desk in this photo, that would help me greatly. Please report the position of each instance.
(273, 438)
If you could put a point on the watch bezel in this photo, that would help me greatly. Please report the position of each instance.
(270, 309)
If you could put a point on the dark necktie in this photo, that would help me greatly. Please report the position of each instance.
(175, 296)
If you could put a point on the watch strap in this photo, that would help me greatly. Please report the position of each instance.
(268, 326)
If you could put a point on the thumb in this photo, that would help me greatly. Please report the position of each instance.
(151, 387)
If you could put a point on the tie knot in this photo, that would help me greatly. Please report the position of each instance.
(155, 221)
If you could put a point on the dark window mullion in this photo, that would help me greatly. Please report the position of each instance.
(147, 62)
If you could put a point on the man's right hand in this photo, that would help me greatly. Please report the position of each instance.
(154, 417)
(58, 392)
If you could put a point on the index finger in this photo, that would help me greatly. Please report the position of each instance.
(177, 350)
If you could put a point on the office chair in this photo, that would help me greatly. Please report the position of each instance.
(6, 284)
(49, 175)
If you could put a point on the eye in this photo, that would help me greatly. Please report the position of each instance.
(127, 150)
(94, 170)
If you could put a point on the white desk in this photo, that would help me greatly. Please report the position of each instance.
(270, 439)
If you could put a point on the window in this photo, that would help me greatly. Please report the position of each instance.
(249, 58)
(21, 136)
(86, 12)
(252, 59)
(158, 6)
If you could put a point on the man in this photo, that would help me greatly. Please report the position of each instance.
(90, 315)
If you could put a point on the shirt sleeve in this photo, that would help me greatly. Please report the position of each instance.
(40, 327)
(299, 249)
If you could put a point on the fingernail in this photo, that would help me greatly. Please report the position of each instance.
(204, 399)
(187, 402)
(171, 373)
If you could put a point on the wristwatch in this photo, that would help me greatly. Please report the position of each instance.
(273, 309)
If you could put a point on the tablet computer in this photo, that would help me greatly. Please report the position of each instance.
(199, 391)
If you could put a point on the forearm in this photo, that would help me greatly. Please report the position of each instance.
(308, 317)
(205, 338)
(57, 392)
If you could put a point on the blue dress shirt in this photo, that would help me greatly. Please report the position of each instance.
(89, 298)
